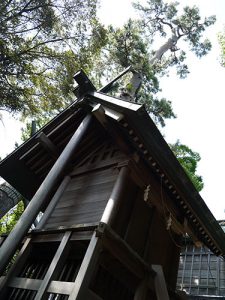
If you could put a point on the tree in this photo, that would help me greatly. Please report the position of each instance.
(189, 160)
(42, 44)
(10, 219)
(126, 46)
(164, 19)
(42, 47)
(134, 44)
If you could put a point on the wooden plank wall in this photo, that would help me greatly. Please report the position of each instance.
(144, 227)
(89, 189)
(83, 200)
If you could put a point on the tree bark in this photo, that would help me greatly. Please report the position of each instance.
(170, 43)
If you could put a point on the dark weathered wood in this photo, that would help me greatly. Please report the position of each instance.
(60, 287)
(109, 85)
(80, 207)
(48, 145)
(53, 202)
(54, 266)
(43, 193)
(123, 252)
(93, 178)
(56, 287)
(113, 202)
(17, 266)
(108, 163)
(138, 226)
(67, 222)
(73, 197)
(142, 289)
(90, 295)
(160, 283)
(99, 113)
(83, 200)
(87, 269)
(25, 283)
(117, 270)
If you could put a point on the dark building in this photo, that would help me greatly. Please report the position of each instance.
(201, 273)
(115, 204)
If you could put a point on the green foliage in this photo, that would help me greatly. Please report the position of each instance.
(167, 20)
(189, 160)
(10, 219)
(134, 44)
(221, 39)
(42, 44)
(126, 46)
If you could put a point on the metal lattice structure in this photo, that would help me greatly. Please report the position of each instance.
(201, 272)
(9, 197)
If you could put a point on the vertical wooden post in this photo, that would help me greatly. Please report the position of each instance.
(87, 269)
(17, 266)
(14, 239)
(142, 289)
(89, 264)
(54, 266)
(53, 202)
(160, 283)
(112, 205)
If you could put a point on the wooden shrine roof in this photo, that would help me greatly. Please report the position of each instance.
(27, 166)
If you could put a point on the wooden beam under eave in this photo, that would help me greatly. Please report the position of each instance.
(99, 112)
(48, 145)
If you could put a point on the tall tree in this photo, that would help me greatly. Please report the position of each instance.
(135, 44)
(42, 43)
(10, 219)
(167, 21)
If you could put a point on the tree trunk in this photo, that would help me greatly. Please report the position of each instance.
(170, 43)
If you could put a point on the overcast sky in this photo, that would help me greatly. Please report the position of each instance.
(198, 102)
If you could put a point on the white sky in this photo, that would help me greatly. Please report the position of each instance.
(198, 102)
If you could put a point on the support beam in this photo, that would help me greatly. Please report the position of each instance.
(160, 283)
(107, 88)
(25, 203)
(112, 205)
(57, 261)
(48, 145)
(87, 269)
(142, 290)
(90, 295)
(55, 286)
(17, 266)
(53, 202)
(10, 245)
(99, 112)
(123, 252)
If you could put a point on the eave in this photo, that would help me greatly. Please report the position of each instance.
(27, 166)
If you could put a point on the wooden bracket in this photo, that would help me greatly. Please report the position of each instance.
(48, 145)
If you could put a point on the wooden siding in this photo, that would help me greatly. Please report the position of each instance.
(84, 199)
(89, 189)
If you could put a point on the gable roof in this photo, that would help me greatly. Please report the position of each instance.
(28, 165)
